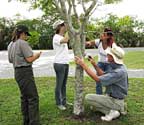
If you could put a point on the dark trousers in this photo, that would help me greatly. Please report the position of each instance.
(29, 95)
(61, 80)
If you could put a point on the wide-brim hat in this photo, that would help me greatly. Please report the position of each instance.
(57, 23)
(116, 52)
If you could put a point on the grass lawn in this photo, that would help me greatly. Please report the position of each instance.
(10, 113)
(132, 59)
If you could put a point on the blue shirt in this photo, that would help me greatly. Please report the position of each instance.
(115, 81)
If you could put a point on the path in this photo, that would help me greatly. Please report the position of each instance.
(44, 67)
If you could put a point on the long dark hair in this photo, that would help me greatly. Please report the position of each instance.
(110, 40)
(15, 35)
(58, 28)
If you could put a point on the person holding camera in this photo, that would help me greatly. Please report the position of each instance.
(106, 40)
(115, 81)
(21, 56)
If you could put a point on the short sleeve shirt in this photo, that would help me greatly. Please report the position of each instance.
(61, 50)
(102, 56)
(18, 51)
(116, 81)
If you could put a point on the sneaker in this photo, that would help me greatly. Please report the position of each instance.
(61, 107)
(112, 115)
(70, 104)
(124, 111)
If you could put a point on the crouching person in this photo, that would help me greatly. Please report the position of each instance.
(115, 81)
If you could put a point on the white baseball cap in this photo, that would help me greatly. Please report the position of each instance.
(116, 52)
(58, 22)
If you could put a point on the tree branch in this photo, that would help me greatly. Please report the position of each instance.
(70, 7)
(74, 8)
(69, 15)
(90, 8)
(63, 7)
(98, 4)
(56, 3)
(75, 12)
(84, 8)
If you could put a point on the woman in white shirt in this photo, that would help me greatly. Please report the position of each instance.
(61, 63)
(106, 40)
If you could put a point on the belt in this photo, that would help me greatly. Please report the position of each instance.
(116, 97)
(23, 67)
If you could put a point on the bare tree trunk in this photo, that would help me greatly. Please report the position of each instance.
(79, 73)
(78, 100)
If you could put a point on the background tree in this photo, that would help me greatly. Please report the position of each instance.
(6, 28)
(128, 31)
(41, 31)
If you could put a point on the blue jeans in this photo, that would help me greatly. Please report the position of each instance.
(105, 67)
(61, 71)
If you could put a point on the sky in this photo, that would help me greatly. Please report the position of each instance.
(133, 8)
(10, 9)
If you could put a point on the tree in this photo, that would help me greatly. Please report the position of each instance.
(41, 31)
(128, 31)
(67, 8)
(6, 28)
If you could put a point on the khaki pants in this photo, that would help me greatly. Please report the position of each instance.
(104, 103)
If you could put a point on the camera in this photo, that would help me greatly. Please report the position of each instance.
(109, 33)
(89, 57)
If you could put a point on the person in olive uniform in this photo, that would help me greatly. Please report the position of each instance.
(21, 56)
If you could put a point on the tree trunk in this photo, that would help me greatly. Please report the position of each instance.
(79, 76)
(78, 100)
